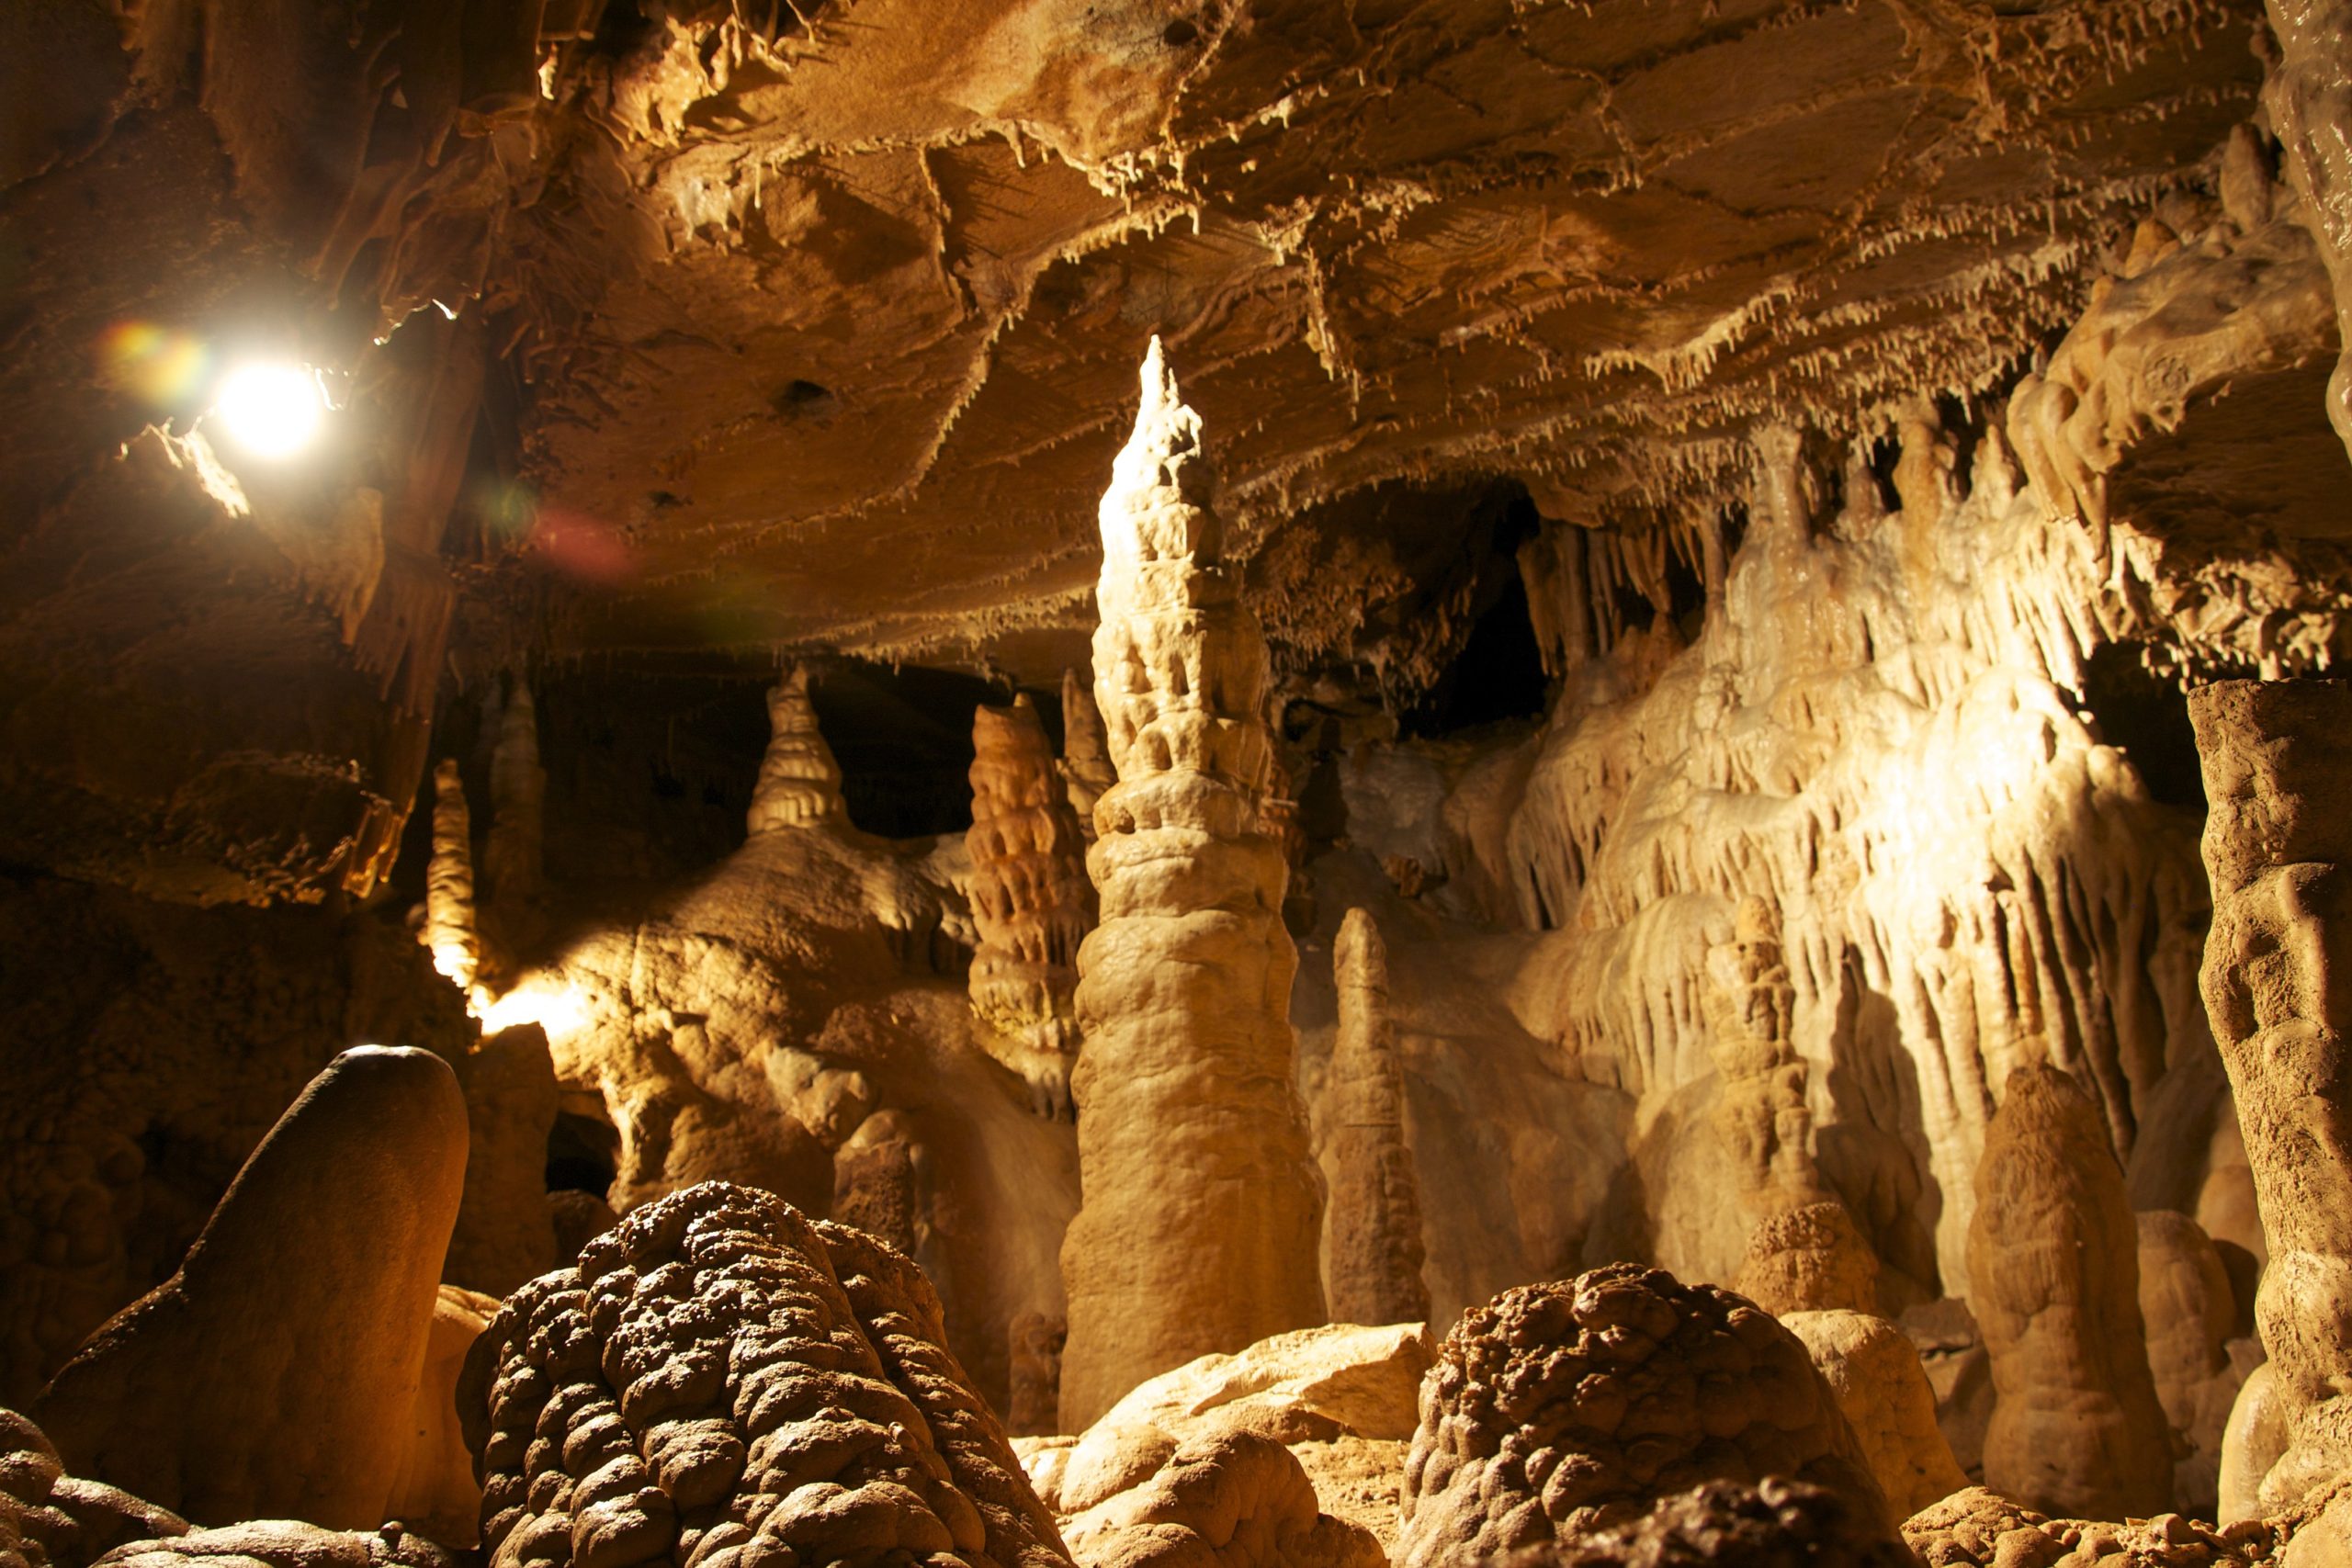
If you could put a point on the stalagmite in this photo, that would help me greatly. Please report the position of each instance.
(1759, 1112)
(799, 784)
(1199, 1226)
(505, 1233)
(1030, 900)
(273, 1375)
(449, 932)
(2278, 767)
(1375, 1216)
(2054, 1266)
(518, 787)
(1873, 1372)
(1085, 765)
(2187, 1306)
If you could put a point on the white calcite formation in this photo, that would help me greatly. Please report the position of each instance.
(1373, 1226)
(799, 784)
(1199, 1226)
(1031, 901)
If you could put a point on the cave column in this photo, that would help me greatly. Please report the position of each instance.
(449, 934)
(1375, 1212)
(2278, 986)
(1202, 1212)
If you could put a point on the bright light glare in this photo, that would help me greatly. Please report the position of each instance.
(271, 410)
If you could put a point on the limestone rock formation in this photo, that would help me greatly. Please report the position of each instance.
(1034, 1356)
(51, 1519)
(2053, 1265)
(1809, 1258)
(877, 1188)
(1759, 1111)
(515, 856)
(1980, 1529)
(2309, 106)
(2190, 1311)
(504, 1234)
(1085, 765)
(449, 931)
(799, 784)
(1567, 1407)
(437, 1494)
(273, 1375)
(1030, 899)
(285, 1543)
(718, 1378)
(1374, 1218)
(1720, 1522)
(2277, 835)
(1234, 1500)
(2257, 1433)
(1200, 1210)
(1874, 1373)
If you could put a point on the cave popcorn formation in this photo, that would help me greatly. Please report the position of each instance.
(731, 912)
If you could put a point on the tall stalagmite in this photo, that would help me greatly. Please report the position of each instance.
(1086, 752)
(1202, 1208)
(799, 784)
(1760, 1111)
(2055, 1278)
(518, 788)
(449, 934)
(1375, 1211)
(2277, 984)
(1030, 899)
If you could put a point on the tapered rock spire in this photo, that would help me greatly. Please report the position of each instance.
(799, 784)
(1030, 899)
(1202, 1208)
(1375, 1214)
(449, 933)
(518, 788)
(1086, 752)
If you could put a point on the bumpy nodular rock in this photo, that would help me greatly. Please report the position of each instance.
(1202, 1207)
(721, 1382)
(1570, 1407)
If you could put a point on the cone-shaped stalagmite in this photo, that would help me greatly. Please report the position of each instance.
(273, 1375)
(1375, 1211)
(449, 932)
(799, 784)
(2277, 984)
(518, 788)
(1200, 1223)
(1030, 899)
(2053, 1264)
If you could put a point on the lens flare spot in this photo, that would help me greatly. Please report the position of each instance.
(159, 365)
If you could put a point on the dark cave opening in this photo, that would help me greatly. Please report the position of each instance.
(1498, 675)
(2146, 716)
(583, 1154)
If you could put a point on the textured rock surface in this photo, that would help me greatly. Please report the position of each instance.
(2053, 1257)
(2275, 758)
(1978, 1528)
(273, 1375)
(718, 1377)
(1085, 763)
(437, 1496)
(2190, 1314)
(1874, 1373)
(1234, 1500)
(1562, 1408)
(1202, 1213)
(504, 1232)
(1372, 1221)
(1775, 1522)
(50, 1520)
(1030, 900)
(1809, 1258)
(449, 930)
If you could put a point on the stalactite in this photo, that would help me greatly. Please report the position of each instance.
(1552, 570)
(1201, 1212)
(449, 932)
(1374, 1218)
(799, 784)
(1030, 899)
(1086, 752)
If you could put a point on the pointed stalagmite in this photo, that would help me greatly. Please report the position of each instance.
(1030, 899)
(799, 784)
(449, 934)
(518, 788)
(2054, 1279)
(1086, 752)
(1200, 1223)
(2277, 984)
(1759, 1112)
(272, 1377)
(1375, 1216)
